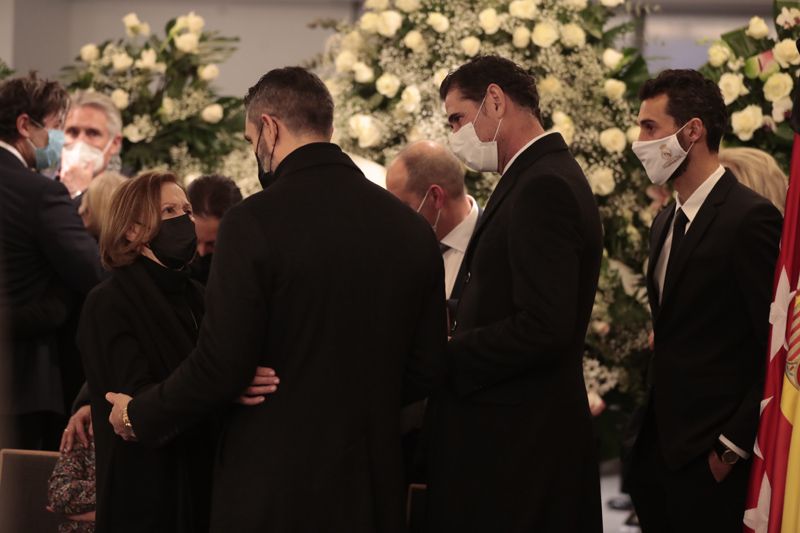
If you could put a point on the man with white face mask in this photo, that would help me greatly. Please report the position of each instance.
(92, 137)
(511, 444)
(709, 280)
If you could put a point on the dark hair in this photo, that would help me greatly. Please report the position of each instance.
(473, 77)
(37, 97)
(213, 195)
(690, 95)
(296, 96)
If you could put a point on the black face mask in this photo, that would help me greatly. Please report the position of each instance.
(265, 177)
(175, 243)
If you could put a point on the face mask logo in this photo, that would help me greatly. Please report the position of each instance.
(475, 153)
(79, 154)
(661, 157)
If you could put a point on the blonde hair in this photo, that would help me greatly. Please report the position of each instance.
(759, 171)
(135, 204)
(102, 103)
(96, 201)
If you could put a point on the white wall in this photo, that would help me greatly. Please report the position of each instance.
(271, 34)
(7, 30)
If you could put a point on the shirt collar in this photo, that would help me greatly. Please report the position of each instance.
(511, 161)
(459, 237)
(698, 197)
(14, 151)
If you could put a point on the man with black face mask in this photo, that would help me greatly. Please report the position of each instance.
(709, 280)
(44, 244)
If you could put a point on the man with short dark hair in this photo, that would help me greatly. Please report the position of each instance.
(512, 448)
(334, 283)
(211, 197)
(709, 280)
(44, 248)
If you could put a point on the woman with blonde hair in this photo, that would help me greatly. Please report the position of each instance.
(759, 171)
(96, 201)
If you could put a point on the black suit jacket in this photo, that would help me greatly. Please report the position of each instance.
(338, 286)
(512, 447)
(711, 327)
(44, 244)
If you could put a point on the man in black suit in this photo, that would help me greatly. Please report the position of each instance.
(512, 447)
(338, 286)
(709, 278)
(45, 248)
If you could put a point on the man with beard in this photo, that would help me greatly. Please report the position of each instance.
(709, 280)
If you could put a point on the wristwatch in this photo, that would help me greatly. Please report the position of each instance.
(725, 454)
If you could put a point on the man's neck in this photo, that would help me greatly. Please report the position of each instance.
(520, 133)
(699, 171)
(452, 215)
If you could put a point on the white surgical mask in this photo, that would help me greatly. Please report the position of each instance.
(438, 212)
(476, 154)
(80, 153)
(661, 157)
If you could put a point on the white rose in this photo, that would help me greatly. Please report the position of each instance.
(187, 43)
(147, 59)
(521, 37)
(781, 108)
(212, 113)
(415, 134)
(369, 22)
(523, 9)
(408, 6)
(633, 134)
(132, 133)
(611, 3)
(439, 76)
(549, 85)
(576, 4)
(195, 23)
(614, 89)
(333, 86)
(181, 23)
(438, 22)
(144, 29)
(747, 121)
(559, 117)
(788, 18)
(389, 22)
(718, 54)
(563, 124)
(131, 21)
(363, 73)
(544, 34)
(489, 21)
(471, 46)
(757, 29)
(573, 36)
(778, 86)
(613, 140)
(120, 98)
(121, 62)
(344, 61)
(785, 53)
(611, 58)
(602, 181)
(376, 5)
(415, 41)
(208, 72)
(363, 128)
(732, 87)
(352, 41)
(89, 53)
(168, 105)
(410, 99)
(388, 85)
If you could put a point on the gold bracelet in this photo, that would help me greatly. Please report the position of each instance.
(125, 420)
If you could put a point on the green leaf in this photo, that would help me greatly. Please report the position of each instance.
(743, 45)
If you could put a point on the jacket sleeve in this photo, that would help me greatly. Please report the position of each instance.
(65, 242)
(230, 344)
(754, 266)
(544, 251)
(44, 315)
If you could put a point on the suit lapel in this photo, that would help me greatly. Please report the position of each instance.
(658, 234)
(694, 235)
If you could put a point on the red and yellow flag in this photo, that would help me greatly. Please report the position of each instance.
(773, 498)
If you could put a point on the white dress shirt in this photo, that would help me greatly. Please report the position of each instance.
(511, 161)
(13, 151)
(457, 240)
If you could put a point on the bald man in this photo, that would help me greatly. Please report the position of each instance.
(427, 177)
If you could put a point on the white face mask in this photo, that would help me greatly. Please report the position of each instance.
(438, 212)
(661, 157)
(79, 154)
(476, 154)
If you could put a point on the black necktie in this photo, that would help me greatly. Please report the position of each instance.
(443, 247)
(678, 231)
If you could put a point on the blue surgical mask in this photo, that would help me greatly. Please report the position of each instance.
(49, 157)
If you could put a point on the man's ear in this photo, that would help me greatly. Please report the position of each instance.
(438, 196)
(24, 125)
(116, 145)
(496, 103)
(695, 130)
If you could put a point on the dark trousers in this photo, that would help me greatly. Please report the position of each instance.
(32, 431)
(685, 500)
